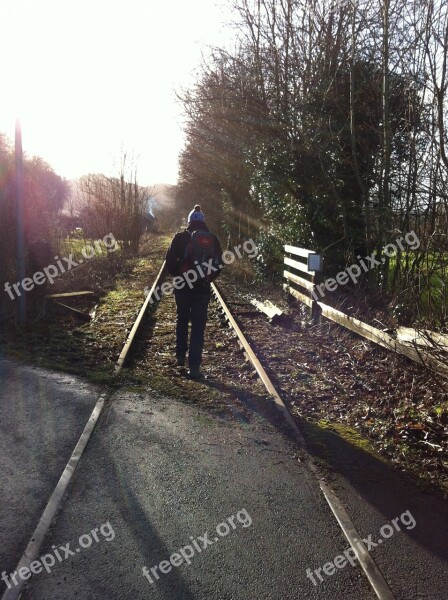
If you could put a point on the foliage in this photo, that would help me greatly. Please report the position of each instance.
(44, 194)
(325, 128)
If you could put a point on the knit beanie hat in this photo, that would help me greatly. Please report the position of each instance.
(196, 214)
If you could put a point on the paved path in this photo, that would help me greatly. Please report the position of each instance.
(414, 560)
(42, 415)
(161, 479)
(158, 473)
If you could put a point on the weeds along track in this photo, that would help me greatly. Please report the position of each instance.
(334, 381)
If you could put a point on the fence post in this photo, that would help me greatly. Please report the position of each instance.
(316, 310)
(311, 269)
(315, 265)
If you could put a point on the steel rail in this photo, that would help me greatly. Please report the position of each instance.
(132, 334)
(54, 503)
(257, 365)
(368, 565)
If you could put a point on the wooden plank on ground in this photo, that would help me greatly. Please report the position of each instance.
(298, 251)
(299, 280)
(74, 312)
(382, 339)
(269, 309)
(429, 339)
(69, 295)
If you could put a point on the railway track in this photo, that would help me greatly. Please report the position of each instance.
(220, 310)
(149, 349)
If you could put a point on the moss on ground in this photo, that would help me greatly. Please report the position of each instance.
(317, 437)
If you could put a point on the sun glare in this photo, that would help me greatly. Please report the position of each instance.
(89, 78)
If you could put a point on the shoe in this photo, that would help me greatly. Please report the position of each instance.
(194, 373)
(180, 360)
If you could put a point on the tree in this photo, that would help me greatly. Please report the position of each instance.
(325, 128)
(114, 205)
(44, 196)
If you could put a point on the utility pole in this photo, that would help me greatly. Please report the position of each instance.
(20, 219)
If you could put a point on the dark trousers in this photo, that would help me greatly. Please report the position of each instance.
(191, 307)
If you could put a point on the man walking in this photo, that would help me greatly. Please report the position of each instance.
(193, 249)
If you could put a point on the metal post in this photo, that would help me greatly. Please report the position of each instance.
(20, 219)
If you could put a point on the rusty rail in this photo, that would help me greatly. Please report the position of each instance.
(132, 334)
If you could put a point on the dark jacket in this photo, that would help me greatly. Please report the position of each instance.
(176, 253)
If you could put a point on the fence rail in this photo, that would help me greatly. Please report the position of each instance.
(365, 330)
(306, 279)
(298, 251)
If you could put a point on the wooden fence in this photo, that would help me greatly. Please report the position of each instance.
(306, 281)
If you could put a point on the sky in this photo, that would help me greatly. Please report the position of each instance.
(89, 79)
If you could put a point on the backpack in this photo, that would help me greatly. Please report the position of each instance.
(200, 249)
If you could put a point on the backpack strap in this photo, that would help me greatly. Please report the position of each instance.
(183, 266)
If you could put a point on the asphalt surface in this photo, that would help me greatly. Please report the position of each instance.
(156, 476)
(42, 415)
(159, 476)
(413, 559)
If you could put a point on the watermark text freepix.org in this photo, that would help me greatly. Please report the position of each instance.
(186, 553)
(204, 270)
(50, 272)
(366, 545)
(365, 264)
(61, 553)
